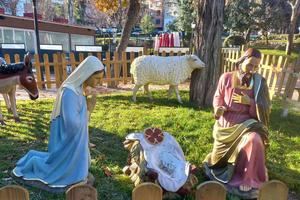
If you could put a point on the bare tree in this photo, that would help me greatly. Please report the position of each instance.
(69, 9)
(118, 19)
(295, 4)
(98, 18)
(11, 5)
(209, 26)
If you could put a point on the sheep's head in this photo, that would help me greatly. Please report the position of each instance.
(195, 62)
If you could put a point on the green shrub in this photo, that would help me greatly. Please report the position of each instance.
(297, 40)
(234, 40)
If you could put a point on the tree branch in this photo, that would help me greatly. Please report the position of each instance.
(291, 4)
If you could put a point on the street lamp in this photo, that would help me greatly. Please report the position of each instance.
(36, 27)
(37, 37)
(193, 26)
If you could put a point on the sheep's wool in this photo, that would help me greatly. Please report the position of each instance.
(160, 70)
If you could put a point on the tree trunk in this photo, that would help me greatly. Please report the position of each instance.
(120, 17)
(13, 7)
(294, 17)
(70, 10)
(132, 17)
(209, 26)
(265, 33)
(247, 37)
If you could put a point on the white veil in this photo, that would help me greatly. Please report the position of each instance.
(74, 82)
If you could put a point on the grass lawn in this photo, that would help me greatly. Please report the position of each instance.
(116, 115)
(277, 52)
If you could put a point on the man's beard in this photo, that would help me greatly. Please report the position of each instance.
(245, 78)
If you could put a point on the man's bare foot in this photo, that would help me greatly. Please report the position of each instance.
(245, 188)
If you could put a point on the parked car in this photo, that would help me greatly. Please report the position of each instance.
(135, 33)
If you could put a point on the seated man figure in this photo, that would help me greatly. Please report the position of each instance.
(241, 107)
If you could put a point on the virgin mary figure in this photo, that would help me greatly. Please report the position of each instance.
(67, 160)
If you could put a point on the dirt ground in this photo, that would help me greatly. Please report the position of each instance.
(21, 94)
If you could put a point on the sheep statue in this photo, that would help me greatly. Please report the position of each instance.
(159, 70)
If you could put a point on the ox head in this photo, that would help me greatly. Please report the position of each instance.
(27, 80)
(195, 62)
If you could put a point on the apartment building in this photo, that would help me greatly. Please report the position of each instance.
(156, 11)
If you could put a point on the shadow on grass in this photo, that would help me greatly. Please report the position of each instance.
(160, 98)
(109, 154)
(284, 140)
(16, 139)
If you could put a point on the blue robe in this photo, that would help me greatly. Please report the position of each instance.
(68, 158)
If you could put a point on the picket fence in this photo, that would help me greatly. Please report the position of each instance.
(280, 72)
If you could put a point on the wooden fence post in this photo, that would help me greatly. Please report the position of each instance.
(124, 67)
(107, 64)
(116, 65)
(14, 192)
(56, 70)
(290, 87)
(99, 56)
(140, 53)
(283, 74)
(47, 70)
(131, 60)
(81, 57)
(210, 190)
(276, 72)
(72, 61)
(37, 66)
(275, 190)
(147, 191)
(79, 192)
(17, 58)
(64, 66)
(7, 58)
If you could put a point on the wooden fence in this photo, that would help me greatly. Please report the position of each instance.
(56, 71)
(277, 70)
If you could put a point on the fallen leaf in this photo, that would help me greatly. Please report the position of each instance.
(107, 171)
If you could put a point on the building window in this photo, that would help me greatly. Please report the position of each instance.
(8, 36)
(19, 36)
(29, 40)
(1, 36)
(158, 13)
(55, 38)
(81, 40)
(157, 21)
